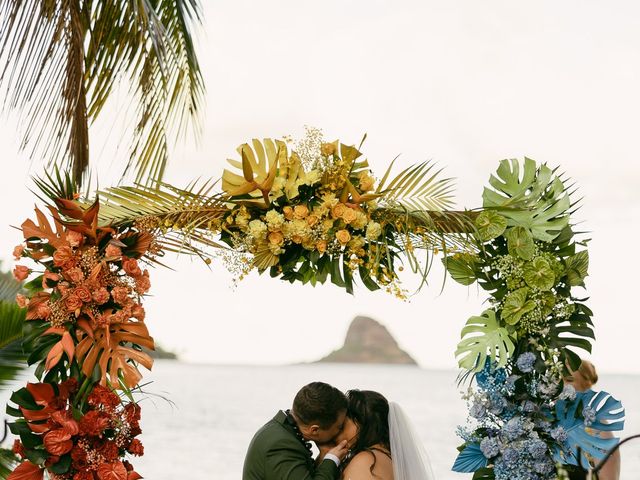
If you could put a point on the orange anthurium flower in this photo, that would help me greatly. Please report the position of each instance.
(58, 442)
(26, 471)
(112, 471)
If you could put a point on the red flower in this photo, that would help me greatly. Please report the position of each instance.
(72, 302)
(66, 421)
(136, 448)
(21, 272)
(143, 284)
(102, 396)
(109, 450)
(112, 471)
(138, 312)
(67, 387)
(79, 457)
(74, 275)
(83, 475)
(17, 252)
(120, 295)
(58, 442)
(74, 238)
(132, 413)
(131, 267)
(94, 423)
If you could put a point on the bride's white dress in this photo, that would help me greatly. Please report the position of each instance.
(409, 457)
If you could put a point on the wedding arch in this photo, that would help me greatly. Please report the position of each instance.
(309, 212)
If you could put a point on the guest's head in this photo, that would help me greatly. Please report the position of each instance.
(319, 410)
(367, 422)
(584, 377)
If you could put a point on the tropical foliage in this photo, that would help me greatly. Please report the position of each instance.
(62, 61)
(525, 419)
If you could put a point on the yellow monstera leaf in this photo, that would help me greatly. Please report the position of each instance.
(259, 166)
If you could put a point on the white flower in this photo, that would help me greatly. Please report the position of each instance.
(296, 228)
(312, 177)
(274, 219)
(277, 189)
(257, 229)
(373, 230)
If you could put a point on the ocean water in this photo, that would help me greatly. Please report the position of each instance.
(215, 410)
(197, 420)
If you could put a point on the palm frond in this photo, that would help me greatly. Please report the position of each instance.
(9, 287)
(61, 61)
(8, 461)
(12, 358)
(417, 187)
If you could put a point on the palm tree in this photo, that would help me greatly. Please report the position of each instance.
(61, 60)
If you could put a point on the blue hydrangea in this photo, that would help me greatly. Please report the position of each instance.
(490, 376)
(478, 411)
(589, 415)
(513, 428)
(510, 456)
(497, 403)
(537, 448)
(528, 406)
(525, 362)
(544, 466)
(568, 392)
(559, 434)
(490, 446)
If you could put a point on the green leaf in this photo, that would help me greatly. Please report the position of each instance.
(23, 398)
(482, 337)
(490, 225)
(62, 466)
(462, 267)
(539, 274)
(577, 268)
(516, 305)
(520, 242)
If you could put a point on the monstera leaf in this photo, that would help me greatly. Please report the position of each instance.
(516, 305)
(520, 243)
(536, 201)
(461, 267)
(577, 268)
(259, 167)
(490, 225)
(539, 274)
(482, 338)
(470, 459)
(107, 349)
(609, 416)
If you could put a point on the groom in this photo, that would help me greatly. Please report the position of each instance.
(280, 449)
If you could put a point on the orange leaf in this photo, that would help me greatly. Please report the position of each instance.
(26, 471)
(112, 471)
(69, 208)
(43, 393)
(133, 476)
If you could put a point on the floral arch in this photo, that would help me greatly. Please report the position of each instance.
(309, 212)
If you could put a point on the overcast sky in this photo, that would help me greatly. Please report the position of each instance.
(464, 83)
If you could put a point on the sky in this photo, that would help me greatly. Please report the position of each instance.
(462, 83)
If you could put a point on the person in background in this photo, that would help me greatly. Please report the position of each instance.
(583, 379)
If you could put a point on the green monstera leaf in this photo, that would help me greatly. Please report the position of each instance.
(516, 305)
(462, 267)
(577, 268)
(539, 274)
(534, 200)
(483, 337)
(520, 242)
(490, 225)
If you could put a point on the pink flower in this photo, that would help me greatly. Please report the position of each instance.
(72, 302)
(43, 311)
(101, 296)
(83, 293)
(17, 251)
(74, 274)
(143, 284)
(138, 312)
(63, 257)
(21, 272)
(131, 267)
(113, 251)
(120, 295)
(74, 238)
(21, 300)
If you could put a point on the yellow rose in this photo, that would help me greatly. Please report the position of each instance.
(288, 212)
(328, 149)
(297, 239)
(366, 182)
(343, 236)
(338, 210)
(309, 244)
(300, 212)
(321, 246)
(312, 220)
(276, 238)
(349, 215)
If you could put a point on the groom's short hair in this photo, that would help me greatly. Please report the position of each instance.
(319, 403)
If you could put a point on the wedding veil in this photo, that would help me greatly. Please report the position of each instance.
(409, 457)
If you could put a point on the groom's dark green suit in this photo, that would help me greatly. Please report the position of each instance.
(275, 453)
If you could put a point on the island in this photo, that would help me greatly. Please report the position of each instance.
(368, 341)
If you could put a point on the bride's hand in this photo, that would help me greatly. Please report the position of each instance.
(340, 450)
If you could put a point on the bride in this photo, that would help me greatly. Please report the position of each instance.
(382, 444)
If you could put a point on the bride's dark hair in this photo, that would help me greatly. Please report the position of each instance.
(370, 412)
